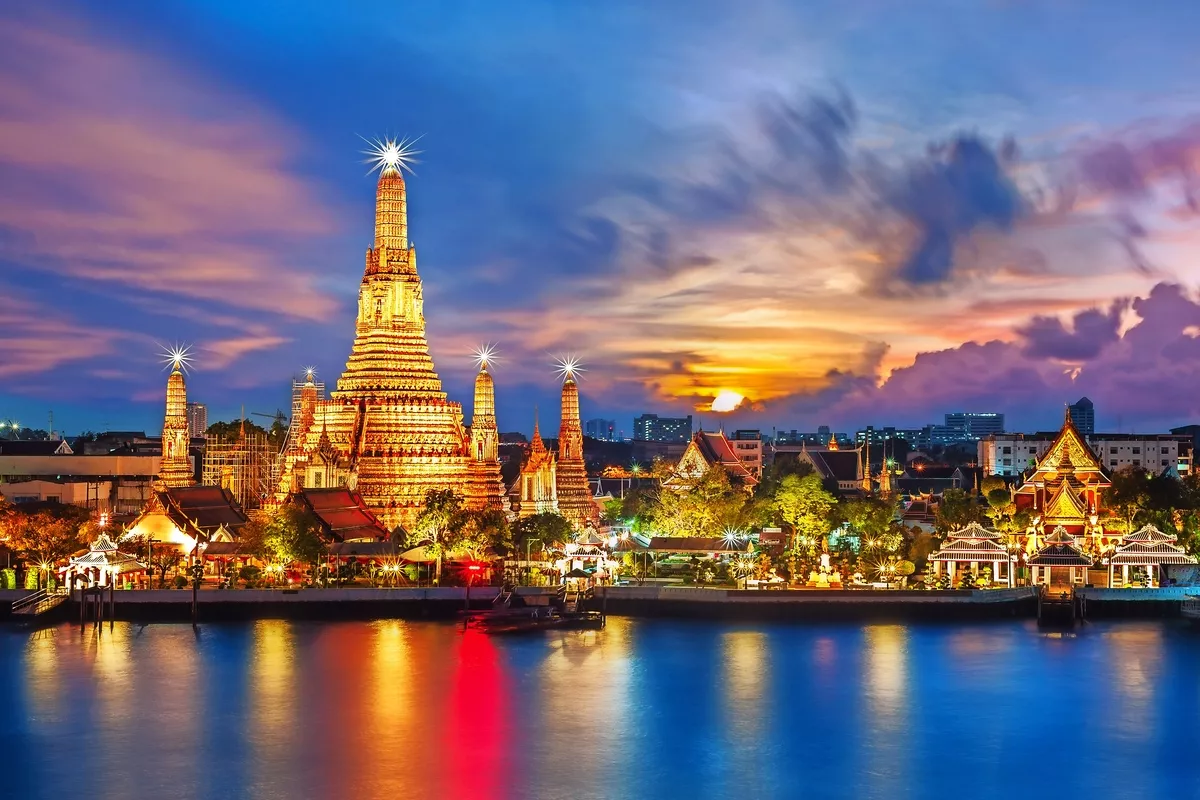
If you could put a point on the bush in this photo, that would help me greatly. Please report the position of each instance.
(8, 579)
(180, 582)
(31, 578)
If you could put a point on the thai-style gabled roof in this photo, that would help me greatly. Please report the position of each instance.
(1079, 464)
(1145, 553)
(974, 531)
(1065, 504)
(971, 550)
(1059, 555)
(1059, 550)
(104, 553)
(589, 538)
(206, 509)
(343, 515)
(1149, 533)
(838, 465)
(706, 450)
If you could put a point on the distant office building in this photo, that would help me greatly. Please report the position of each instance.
(603, 429)
(197, 419)
(748, 445)
(1083, 415)
(973, 426)
(653, 428)
(916, 437)
(1013, 453)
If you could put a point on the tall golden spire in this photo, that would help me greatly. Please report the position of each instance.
(175, 468)
(485, 485)
(574, 494)
(391, 210)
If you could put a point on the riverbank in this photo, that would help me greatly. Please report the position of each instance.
(805, 605)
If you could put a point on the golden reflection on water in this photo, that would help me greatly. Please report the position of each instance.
(272, 718)
(42, 680)
(743, 660)
(585, 687)
(1136, 665)
(389, 716)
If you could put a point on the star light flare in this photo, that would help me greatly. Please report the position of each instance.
(178, 357)
(385, 154)
(486, 355)
(568, 367)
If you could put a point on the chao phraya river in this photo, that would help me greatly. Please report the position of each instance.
(644, 709)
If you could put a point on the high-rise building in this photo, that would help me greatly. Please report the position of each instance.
(973, 426)
(197, 419)
(1083, 415)
(603, 429)
(653, 428)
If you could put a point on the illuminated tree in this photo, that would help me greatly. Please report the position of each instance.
(434, 526)
(803, 503)
(957, 509)
(705, 506)
(293, 536)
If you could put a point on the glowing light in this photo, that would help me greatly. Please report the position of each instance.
(731, 537)
(310, 373)
(485, 355)
(568, 366)
(726, 400)
(389, 154)
(178, 358)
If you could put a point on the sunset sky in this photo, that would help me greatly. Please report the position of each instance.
(849, 212)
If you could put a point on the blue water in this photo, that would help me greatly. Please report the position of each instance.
(644, 709)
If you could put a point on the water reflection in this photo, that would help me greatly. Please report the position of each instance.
(642, 709)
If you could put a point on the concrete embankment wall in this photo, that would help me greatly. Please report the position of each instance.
(168, 605)
(1143, 603)
(816, 605)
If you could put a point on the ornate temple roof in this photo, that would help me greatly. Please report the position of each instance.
(343, 515)
(206, 509)
(1143, 554)
(1149, 533)
(708, 449)
(971, 550)
(1070, 461)
(1059, 555)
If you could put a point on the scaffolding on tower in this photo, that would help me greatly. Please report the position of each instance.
(247, 465)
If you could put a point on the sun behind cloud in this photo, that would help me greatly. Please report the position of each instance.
(726, 400)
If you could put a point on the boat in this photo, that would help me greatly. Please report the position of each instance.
(1190, 610)
(511, 614)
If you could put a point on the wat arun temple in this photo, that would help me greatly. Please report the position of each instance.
(388, 430)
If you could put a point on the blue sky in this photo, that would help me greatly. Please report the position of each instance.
(846, 212)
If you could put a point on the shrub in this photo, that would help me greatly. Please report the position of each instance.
(31, 578)
(8, 579)
(180, 582)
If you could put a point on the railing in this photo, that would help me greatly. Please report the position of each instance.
(39, 602)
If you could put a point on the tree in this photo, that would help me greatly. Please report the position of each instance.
(774, 474)
(1128, 495)
(875, 519)
(548, 528)
(803, 503)
(957, 509)
(293, 536)
(434, 528)
(45, 533)
(705, 506)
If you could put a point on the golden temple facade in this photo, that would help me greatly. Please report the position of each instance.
(175, 469)
(1066, 488)
(537, 485)
(388, 430)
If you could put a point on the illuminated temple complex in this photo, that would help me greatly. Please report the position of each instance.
(1066, 488)
(388, 430)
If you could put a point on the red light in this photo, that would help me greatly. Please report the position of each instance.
(474, 568)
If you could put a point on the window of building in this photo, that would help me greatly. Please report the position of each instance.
(1112, 451)
(1008, 462)
(1112, 462)
(316, 480)
(1165, 451)
(1007, 450)
(1137, 451)
(1137, 462)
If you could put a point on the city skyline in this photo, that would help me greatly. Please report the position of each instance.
(839, 240)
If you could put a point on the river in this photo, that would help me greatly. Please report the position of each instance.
(642, 709)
